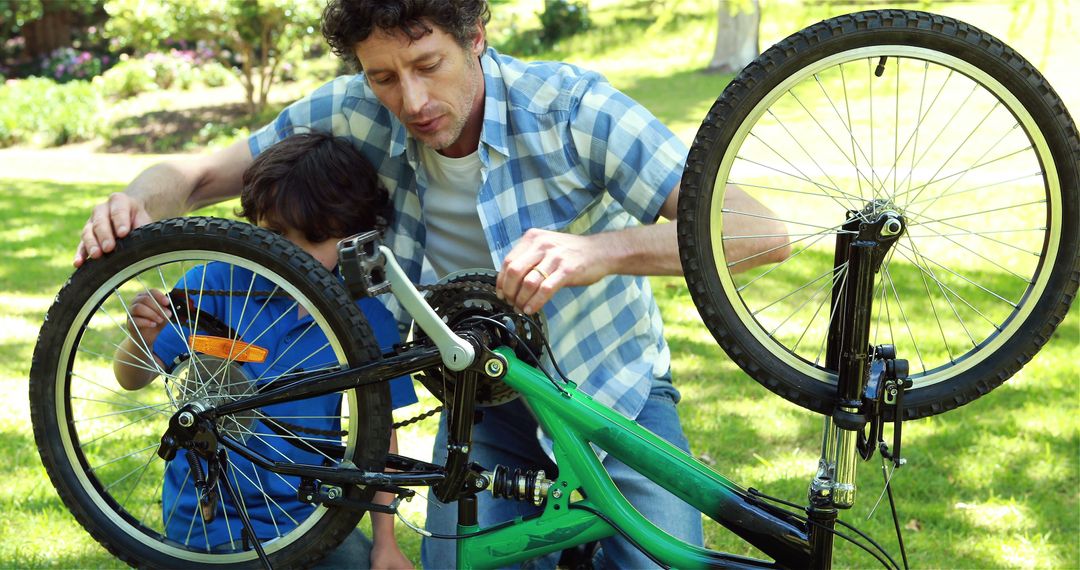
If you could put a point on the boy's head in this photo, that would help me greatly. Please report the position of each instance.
(316, 184)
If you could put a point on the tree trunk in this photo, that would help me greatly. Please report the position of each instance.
(737, 24)
(51, 31)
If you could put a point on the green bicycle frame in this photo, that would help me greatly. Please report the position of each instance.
(574, 421)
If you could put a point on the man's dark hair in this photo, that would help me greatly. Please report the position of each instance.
(346, 23)
(317, 184)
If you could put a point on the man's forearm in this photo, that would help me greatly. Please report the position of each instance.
(176, 187)
(644, 250)
(164, 190)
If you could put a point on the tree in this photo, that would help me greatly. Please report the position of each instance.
(44, 25)
(737, 24)
(255, 36)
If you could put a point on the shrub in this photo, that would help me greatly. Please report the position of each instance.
(213, 74)
(39, 111)
(184, 68)
(562, 19)
(67, 64)
(128, 79)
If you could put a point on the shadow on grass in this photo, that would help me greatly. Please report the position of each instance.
(164, 131)
(42, 224)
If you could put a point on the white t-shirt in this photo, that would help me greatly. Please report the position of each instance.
(455, 236)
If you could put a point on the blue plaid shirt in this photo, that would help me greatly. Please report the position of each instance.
(562, 150)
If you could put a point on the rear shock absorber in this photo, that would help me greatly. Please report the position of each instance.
(519, 485)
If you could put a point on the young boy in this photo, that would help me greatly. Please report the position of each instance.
(314, 190)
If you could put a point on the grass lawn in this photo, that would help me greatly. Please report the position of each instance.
(993, 484)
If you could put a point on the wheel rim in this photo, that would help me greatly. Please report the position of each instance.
(110, 436)
(946, 180)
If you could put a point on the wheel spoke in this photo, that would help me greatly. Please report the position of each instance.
(795, 176)
(852, 160)
(796, 290)
(817, 310)
(125, 411)
(951, 272)
(976, 189)
(122, 457)
(834, 313)
(959, 147)
(818, 235)
(832, 183)
(951, 291)
(821, 235)
(903, 316)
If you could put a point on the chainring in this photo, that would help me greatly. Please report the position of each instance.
(469, 294)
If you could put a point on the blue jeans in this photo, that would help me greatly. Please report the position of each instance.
(354, 553)
(507, 435)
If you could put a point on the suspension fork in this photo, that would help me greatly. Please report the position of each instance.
(860, 250)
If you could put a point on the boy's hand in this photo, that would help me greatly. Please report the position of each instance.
(385, 554)
(148, 314)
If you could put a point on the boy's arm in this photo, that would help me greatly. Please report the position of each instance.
(134, 365)
(385, 552)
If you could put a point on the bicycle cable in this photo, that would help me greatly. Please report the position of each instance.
(424, 532)
(896, 520)
(525, 346)
(881, 552)
(612, 524)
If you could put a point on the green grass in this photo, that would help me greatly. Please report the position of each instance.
(993, 484)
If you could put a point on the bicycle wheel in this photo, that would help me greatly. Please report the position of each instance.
(874, 111)
(99, 442)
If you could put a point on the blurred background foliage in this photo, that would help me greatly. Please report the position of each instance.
(113, 62)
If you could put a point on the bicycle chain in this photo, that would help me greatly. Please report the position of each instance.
(435, 287)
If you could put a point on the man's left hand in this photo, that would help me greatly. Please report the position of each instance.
(544, 262)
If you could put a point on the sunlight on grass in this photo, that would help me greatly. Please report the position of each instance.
(995, 516)
(1013, 550)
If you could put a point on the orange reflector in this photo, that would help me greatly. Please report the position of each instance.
(227, 348)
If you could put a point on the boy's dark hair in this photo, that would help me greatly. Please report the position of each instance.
(317, 184)
(346, 23)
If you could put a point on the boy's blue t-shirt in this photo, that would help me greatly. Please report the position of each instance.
(294, 345)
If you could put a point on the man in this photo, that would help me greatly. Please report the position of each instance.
(542, 171)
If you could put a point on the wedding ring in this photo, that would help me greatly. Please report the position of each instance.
(541, 272)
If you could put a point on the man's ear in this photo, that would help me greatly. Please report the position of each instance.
(479, 43)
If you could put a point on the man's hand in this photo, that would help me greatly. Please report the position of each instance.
(544, 262)
(110, 220)
(149, 313)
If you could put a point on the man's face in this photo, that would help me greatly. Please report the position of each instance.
(433, 85)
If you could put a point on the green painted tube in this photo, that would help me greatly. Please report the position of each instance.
(573, 420)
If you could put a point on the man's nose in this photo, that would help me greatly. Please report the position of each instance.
(413, 96)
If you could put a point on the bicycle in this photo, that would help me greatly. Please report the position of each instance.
(815, 329)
